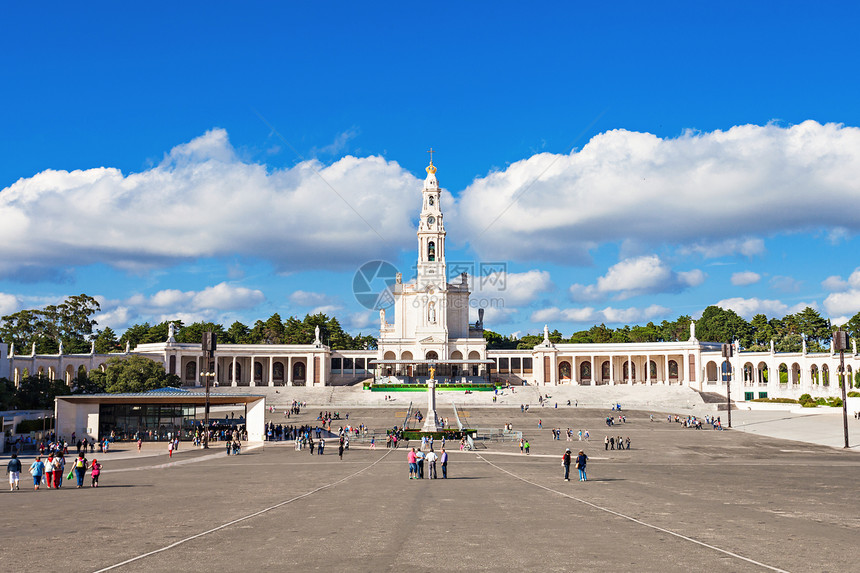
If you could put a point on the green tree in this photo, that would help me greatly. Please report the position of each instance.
(720, 325)
(193, 333)
(133, 374)
(600, 334)
(816, 328)
(762, 333)
(238, 333)
(106, 341)
(35, 392)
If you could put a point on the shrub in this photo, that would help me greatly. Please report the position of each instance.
(854, 394)
(777, 400)
(804, 398)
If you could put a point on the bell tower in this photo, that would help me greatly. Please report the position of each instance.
(431, 269)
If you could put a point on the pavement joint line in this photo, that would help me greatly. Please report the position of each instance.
(179, 462)
(638, 521)
(241, 519)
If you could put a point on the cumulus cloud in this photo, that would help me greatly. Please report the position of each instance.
(702, 191)
(749, 307)
(608, 315)
(169, 304)
(512, 289)
(306, 298)
(202, 201)
(636, 276)
(785, 284)
(745, 278)
(845, 301)
(9, 303)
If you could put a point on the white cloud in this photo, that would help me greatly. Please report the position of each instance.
(749, 307)
(512, 289)
(607, 315)
(845, 296)
(636, 276)
(835, 283)
(203, 201)
(329, 309)
(9, 303)
(745, 278)
(785, 284)
(703, 191)
(170, 304)
(306, 298)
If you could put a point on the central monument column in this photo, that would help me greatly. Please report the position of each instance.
(430, 424)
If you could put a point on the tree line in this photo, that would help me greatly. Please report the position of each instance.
(715, 325)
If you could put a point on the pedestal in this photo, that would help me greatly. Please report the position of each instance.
(430, 424)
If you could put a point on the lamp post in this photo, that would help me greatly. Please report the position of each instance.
(727, 354)
(840, 343)
(209, 342)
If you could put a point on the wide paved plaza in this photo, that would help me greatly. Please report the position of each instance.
(678, 500)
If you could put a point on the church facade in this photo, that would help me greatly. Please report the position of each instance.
(431, 328)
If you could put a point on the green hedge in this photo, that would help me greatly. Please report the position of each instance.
(423, 387)
(808, 401)
(853, 394)
(776, 400)
(449, 434)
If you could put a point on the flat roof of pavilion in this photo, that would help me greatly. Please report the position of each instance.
(163, 396)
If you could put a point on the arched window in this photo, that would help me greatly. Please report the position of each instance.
(191, 371)
(673, 369)
(632, 372)
(171, 368)
(604, 370)
(278, 371)
(299, 372)
(564, 370)
(431, 251)
(653, 369)
(432, 355)
(585, 370)
(258, 371)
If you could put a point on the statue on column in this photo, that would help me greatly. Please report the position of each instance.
(692, 330)
(772, 347)
(382, 323)
(127, 346)
(93, 347)
(171, 332)
(317, 335)
(546, 334)
(432, 313)
(61, 347)
(33, 349)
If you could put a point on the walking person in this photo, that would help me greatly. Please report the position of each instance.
(37, 470)
(80, 468)
(526, 445)
(581, 459)
(59, 468)
(170, 449)
(49, 471)
(340, 451)
(321, 446)
(419, 460)
(606, 443)
(13, 469)
(96, 469)
(443, 459)
(565, 462)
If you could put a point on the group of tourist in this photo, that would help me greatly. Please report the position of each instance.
(417, 459)
(580, 462)
(50, 471)
(613, 443)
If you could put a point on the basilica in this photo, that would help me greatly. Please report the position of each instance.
(430, 328)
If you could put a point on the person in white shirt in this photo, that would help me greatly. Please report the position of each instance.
(431, 463)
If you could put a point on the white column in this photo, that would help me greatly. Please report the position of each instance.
(217, 372)
(309, 371)
(666, 369)
(324, 366)
(252, 371)
(271, 370)
(630, 369)
(648, 369)
(233, 372)
(611, 370)
(685, 358)
(594, 372)
(289, 370)
(199, 370)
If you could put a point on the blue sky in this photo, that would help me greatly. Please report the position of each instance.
(627, 162)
